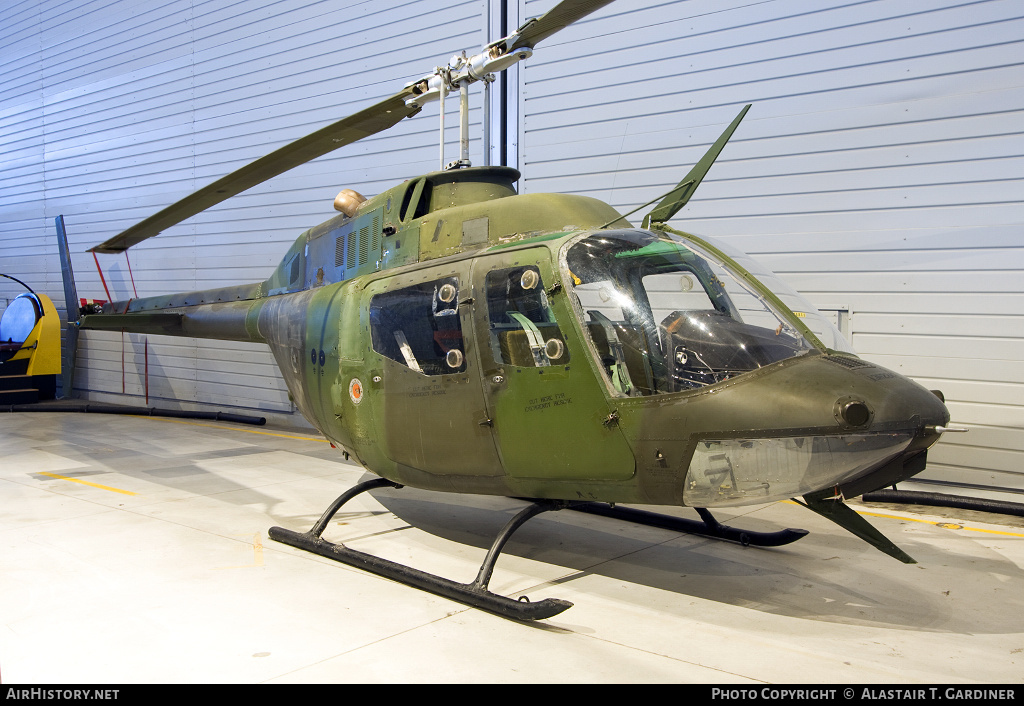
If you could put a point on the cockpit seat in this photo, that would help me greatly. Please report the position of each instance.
(634, 352)
(16, 324)
(29, 349)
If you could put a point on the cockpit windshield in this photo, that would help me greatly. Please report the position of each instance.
(665, 316)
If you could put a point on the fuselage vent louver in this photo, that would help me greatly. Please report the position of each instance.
(847, 362)
(350, 260)
(339, 251)
(364, 244)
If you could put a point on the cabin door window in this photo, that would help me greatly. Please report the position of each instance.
(419, 327)
(522, 327)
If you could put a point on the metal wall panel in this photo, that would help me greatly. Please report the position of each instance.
(880, 170)
(110, 111)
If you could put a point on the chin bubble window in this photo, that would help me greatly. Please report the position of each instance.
(419, 327)
(523, 331)
(728, 472)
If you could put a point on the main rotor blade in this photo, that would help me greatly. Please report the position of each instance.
(559, 17)
(366, 122)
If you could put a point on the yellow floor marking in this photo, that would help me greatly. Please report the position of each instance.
(257, 549)
(216, 426)
(943, 524)
(257, 552)
(85, 482)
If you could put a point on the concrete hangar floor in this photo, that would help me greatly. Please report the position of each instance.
(135, 550)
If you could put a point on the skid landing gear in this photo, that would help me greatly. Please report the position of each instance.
(707, 527)
(476, 594)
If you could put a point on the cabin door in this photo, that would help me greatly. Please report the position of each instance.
(543, 399)
(431, 407)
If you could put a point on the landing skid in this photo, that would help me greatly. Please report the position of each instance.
(707, 526)
(476, 594)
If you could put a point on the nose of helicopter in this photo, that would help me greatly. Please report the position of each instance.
(881, 400)
(825, 422)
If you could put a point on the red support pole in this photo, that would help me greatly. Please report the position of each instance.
(104, 281)
(129, 273)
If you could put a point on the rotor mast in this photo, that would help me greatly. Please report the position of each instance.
(460, 72)
(447, 84)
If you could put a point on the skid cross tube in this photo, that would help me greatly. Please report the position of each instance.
(708, 526)
(473, 594)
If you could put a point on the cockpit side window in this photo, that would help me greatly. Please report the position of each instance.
(523, 331)
(419, 327)
(616, 326)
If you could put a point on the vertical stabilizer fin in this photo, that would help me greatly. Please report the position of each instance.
(679, 196)
(71, 299)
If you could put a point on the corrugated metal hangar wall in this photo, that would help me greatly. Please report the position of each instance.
(880, 170)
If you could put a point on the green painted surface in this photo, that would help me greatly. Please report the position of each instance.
(504, 419)
(557, 409)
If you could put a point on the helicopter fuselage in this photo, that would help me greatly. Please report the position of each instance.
(453, 335)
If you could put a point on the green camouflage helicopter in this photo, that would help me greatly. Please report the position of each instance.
(453, 335)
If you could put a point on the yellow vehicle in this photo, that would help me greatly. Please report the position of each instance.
(29, 348)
